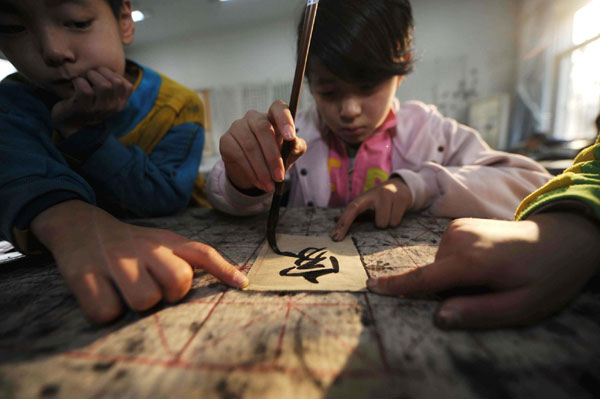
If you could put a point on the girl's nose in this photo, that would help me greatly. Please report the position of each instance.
(55, 48)
(350, 108)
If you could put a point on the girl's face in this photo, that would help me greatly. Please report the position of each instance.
(352, 112)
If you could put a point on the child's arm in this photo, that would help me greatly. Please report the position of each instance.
(251, 160)
(105, 261)
(531, 268)
(452, 172)
(150, 171)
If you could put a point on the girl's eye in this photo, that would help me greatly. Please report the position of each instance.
(79, 24)
(367, 89)
(11, 29)
(326, 94)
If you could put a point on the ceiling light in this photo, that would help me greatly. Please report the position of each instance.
(137, 16)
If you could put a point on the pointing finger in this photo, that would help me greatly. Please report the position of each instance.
(440, 275)
(500, 309)
(354, 208)
(207, 258)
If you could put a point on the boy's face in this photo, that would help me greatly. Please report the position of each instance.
(353, 113)
(52, 42)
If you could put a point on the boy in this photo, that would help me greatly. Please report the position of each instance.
(532, 267)
(82, 126)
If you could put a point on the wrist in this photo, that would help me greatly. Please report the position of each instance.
(54, 225)
(250, 191)
(401, 185)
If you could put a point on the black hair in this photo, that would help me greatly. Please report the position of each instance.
(115, 6)
(598, 124)
(363, 42)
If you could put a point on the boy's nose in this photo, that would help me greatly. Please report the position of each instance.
(350, 108)
(55, 50)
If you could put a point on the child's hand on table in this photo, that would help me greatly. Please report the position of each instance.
(389, 200)
(251, 148)
(531, 268)
(97, 95)
(103, 260)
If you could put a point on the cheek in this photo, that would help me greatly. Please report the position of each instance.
(326, 109)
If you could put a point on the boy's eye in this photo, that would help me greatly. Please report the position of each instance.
(11, 29)
(79, 24)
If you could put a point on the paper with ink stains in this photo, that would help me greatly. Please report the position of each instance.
(310, 263)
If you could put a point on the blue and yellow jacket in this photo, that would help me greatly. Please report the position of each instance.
(142, 161)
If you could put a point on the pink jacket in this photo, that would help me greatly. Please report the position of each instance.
(448, 168)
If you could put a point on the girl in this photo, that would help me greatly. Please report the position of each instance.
(363, 149)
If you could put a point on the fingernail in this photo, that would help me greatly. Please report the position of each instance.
(447, 318)
(240, 280)
(280, 176)
(335, 236)
(288, 132)
(372, 283)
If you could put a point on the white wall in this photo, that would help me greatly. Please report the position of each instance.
(250, 55)
(462, 41)
(465, 49)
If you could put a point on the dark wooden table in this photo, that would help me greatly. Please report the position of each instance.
(225, 343)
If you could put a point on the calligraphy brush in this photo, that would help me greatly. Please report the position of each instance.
(306, 35)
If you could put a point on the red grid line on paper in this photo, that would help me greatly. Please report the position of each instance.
(403, 247)
(384, 359)
(400, 244)
(189, 341)
(161, 334)
(252, 368)
(217, 340)
(246, 266)
(279, 348)
(335, 337)
(290, 305)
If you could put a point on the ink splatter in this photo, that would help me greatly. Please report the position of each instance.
(49, 391)
(103, 366)
(135, 345)
(120, 374)
(195, 327)
(225, 392)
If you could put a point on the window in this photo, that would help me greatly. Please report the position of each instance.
(578, 90)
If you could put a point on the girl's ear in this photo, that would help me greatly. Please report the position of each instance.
(126, 23)
(399, 81)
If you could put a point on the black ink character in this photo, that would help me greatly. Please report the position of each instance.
(308, 260)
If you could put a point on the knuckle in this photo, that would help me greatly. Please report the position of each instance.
(182, 281)
(237, 125)
(208, 252)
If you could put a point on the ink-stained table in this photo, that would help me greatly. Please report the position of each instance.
(225, 343)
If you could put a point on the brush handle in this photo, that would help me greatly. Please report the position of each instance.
(307, 29)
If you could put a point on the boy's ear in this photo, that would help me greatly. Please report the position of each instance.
(126, 22)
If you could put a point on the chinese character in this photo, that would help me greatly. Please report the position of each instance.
(308, 264)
